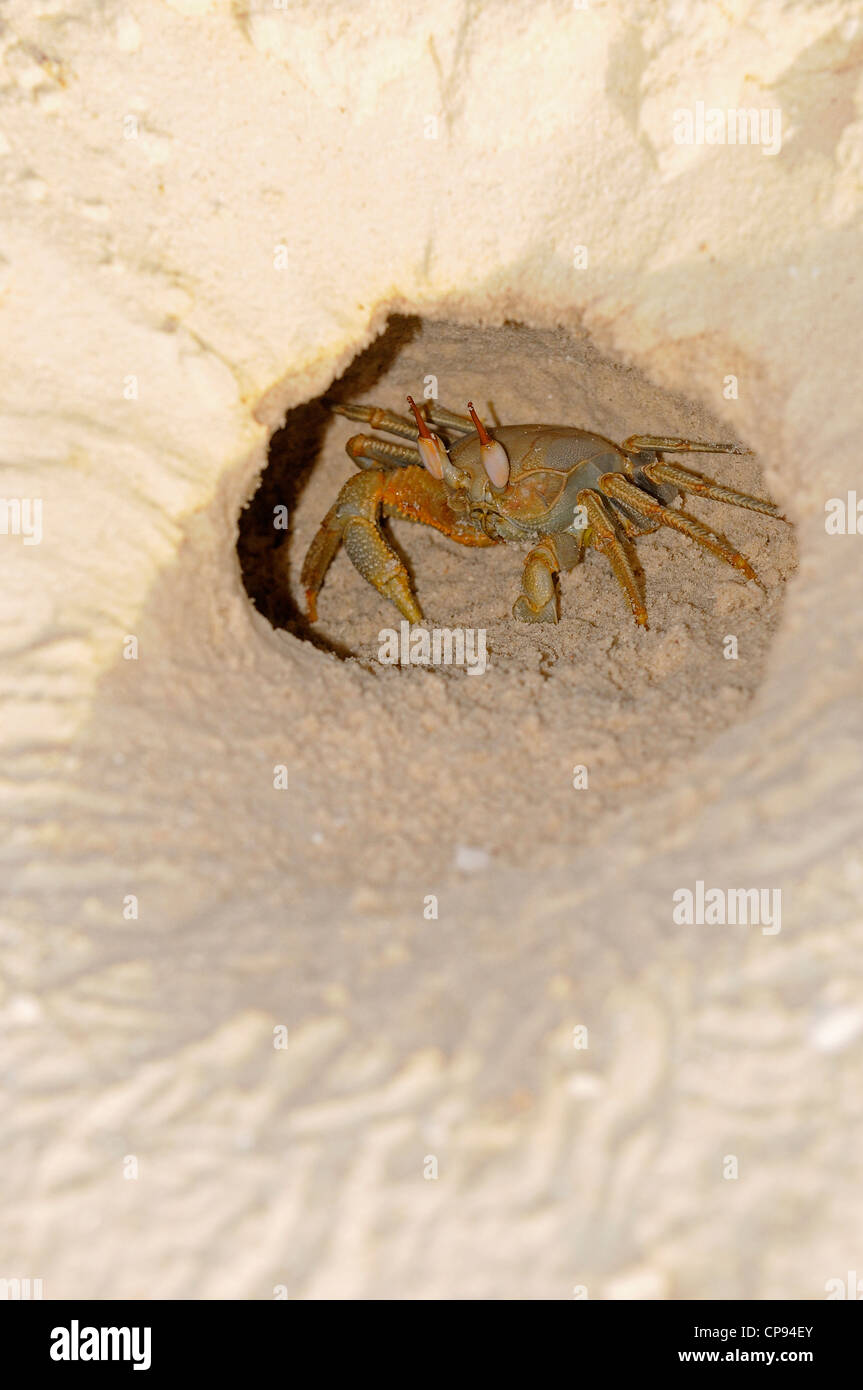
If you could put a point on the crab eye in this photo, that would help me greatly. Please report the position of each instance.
(495, 463)
(431, 452)
(494, 457)
(431, 447)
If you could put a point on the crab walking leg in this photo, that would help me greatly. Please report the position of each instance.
(381, 419)
(687, 481)
(354, 520)
(378, 418)
(410, 493)
(448, 419)
(368, 452)
(320, 556)
(602, 535)
(674, 445)
(616, 486)
(537, 602)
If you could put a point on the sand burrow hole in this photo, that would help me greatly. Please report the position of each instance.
(498, 750)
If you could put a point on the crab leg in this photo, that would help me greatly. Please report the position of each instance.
(353, 518)
(382, 419)
(614, 485)
(687, 481)
(410, 493)
(388, 420)
(448, 419)
(602, 535)
(537, 603)
(368, 452)
(674, 445)
(379, 419)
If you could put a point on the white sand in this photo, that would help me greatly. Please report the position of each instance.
(154, 258)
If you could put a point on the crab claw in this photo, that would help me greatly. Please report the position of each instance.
(495, 460)
(431, 447)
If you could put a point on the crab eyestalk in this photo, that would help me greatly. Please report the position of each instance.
(432, 449)
(494, 457)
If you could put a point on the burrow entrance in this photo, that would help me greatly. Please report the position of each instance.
(592, 690)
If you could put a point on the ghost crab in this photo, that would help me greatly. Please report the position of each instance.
(556, 487)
